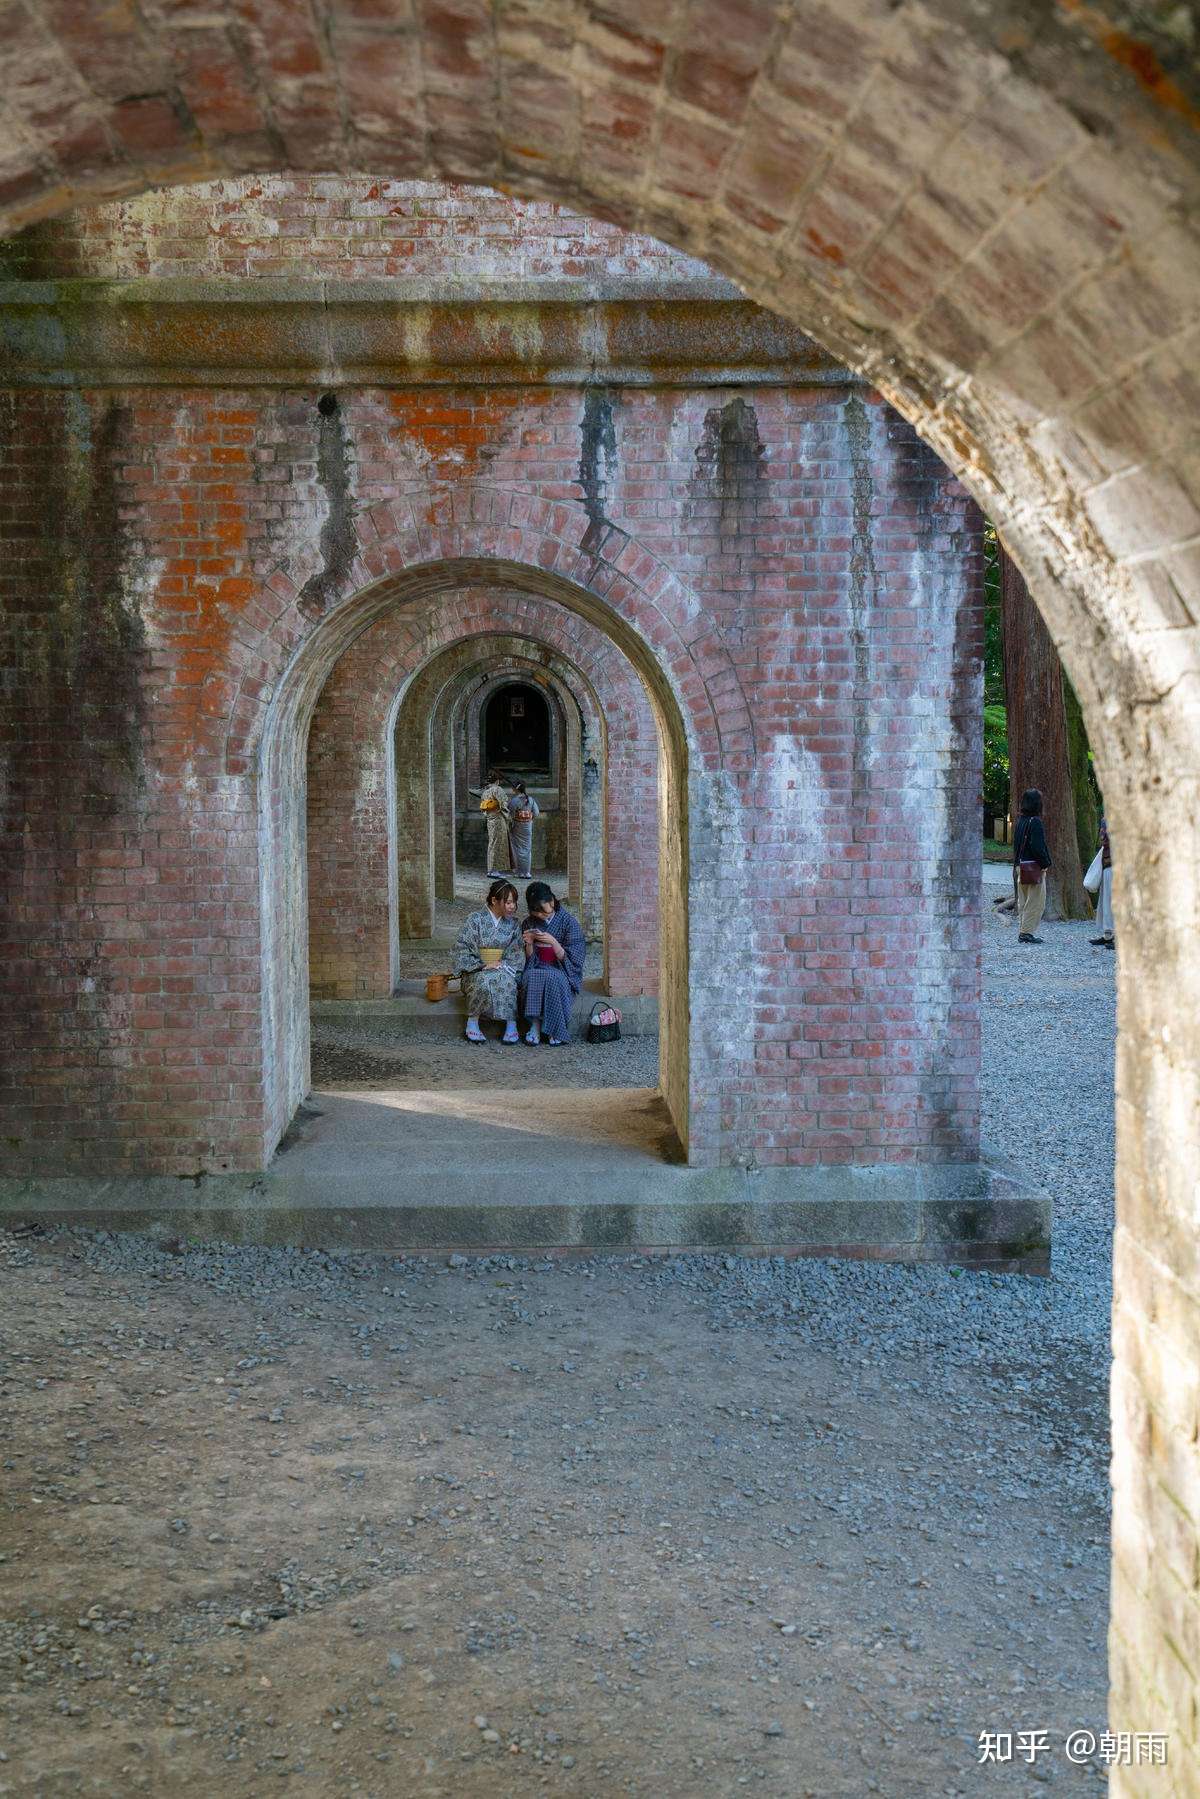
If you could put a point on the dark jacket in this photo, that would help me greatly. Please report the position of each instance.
(1029, 842)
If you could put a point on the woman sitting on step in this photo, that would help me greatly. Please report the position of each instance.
(554, 953)
(489, 956)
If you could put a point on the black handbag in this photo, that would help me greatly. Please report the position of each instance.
(604, 1025)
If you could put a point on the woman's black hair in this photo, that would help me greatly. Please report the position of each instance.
(500, 890)
(519, 787)
(538, 894)
(1031, 803)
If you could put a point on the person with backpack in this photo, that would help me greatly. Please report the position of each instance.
(1031, 859)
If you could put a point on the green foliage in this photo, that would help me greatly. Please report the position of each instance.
(993, 638)
(995, 761)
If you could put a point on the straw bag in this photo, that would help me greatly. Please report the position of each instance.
(437, 986)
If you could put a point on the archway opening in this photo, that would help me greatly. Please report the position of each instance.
(560, 837)
(399, 698)
(516, 734)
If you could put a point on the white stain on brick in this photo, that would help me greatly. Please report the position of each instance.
(794, 792)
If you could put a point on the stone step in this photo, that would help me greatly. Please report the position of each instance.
(592, 1170)
(408, 1008)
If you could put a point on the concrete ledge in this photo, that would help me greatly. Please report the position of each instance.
(639, 1011)
(974, 1215)
(97, 333)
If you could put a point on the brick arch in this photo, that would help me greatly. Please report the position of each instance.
(621, 840)
(471, 711)
(580, 733)
(925, 188)
(353, 867)
(991, 211)
(614, 815)
(461, 709)
(356, 705)
(503, 539)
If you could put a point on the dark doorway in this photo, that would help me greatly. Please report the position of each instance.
(516, 733)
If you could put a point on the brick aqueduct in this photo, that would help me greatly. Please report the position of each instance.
(265, 470)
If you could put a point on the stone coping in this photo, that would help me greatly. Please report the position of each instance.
(407, 1005)
(174, 333)
(973, 1214)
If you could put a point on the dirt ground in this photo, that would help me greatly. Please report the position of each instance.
(406, 1529)
(676, 1528)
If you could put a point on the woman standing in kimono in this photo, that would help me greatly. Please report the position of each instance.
(493, 803)
(522, 810)
(489, 955)
(554, 952)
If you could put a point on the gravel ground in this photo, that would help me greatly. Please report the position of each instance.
(358, 1055)
(663, 1527)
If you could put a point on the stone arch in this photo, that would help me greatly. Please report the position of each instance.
(502, 539)
(486, 724)
(352, 858)
(474, 720)
(686, 726)
(467, 732)
(581, 736)
(1035, 319)
(603, 839)
(457, 679)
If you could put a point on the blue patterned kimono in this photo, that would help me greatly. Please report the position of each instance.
(547, 992)
(491, 992)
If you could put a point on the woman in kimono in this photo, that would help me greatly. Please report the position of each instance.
(554, 952)
(491, 990)
(493, 803)
(522, 810)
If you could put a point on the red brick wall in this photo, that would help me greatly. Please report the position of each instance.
(346, 226)
(129, 961)
(801, 567)
(790, 570)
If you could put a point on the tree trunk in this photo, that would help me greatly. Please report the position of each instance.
(1087, 812)
(1039, 749)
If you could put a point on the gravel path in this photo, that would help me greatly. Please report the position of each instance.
(676, 1528)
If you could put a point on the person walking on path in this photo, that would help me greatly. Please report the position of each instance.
(1031, 859)
(493, 803)
(522, 810)
(1104, 911)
